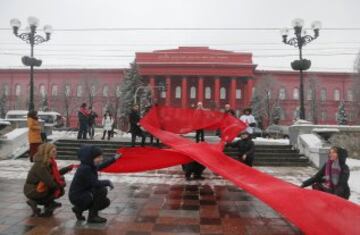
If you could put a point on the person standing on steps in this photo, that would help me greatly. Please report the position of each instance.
(83, 116)
(135, 129)
(249, 119)
(107, 124)
(34, 134)
(86, 191)
(92, 122)
(44, 182)
(200, 136)
(246, 148)
(229, 110)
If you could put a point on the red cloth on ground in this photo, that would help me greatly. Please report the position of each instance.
(57, 177)
(312, 211)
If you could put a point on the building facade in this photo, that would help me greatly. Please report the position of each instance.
(181, 78)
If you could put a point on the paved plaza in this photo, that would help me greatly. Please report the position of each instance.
(154, 202)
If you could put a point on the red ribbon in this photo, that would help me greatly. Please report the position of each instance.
(313, 212)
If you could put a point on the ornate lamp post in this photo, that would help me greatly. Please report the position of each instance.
(300, 40)
(31, 38)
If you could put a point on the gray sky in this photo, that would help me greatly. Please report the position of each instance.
(334, 50)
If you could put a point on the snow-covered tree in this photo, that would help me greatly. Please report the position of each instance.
(355, 109)
(276, 114)
(130, 84)
(341, 116)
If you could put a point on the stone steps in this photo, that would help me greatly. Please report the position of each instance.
(265, 155)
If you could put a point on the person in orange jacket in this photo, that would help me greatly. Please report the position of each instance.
(34, 135)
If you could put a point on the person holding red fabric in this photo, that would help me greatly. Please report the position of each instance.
(333, 176)
(83, 116)
(44, 182)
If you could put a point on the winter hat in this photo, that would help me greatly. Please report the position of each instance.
(95, 151)
(87, 153)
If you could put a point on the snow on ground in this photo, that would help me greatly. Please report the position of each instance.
(17, 169)
(266, 141)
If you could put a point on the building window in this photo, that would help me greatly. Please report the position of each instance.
(336, 94)
(163, 94)
(18, 90)
(309, 94)
(222, 93)
(283, 115)
(67, 90)
(178, 92)
(207, 92)
(296, 93)
(282, 93)
(349, 95)
(192, 92)
(79, 91)
(93, 90)
(238, 94)
(106, 91)
(54, 90)
(323, 94)
(323, 116)
(42, 90)
(118, 91)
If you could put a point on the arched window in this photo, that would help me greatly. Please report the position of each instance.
(238, 94)
(309, 94)
(67, 90)
(192, 92)
(93, 90)
(323, 116)
(5, 90)
(222, 93)
(178, 92)
(42, 90)
(336, 94)
(296, 93)
(54, 90)
(208, 92)
(18, 90)
(349, 95)
(323, 94)
(118, 91)
(282, 93)
(106, 91)
(268, 94)
(79, 91)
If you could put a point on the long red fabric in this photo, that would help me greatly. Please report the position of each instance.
(313, 212)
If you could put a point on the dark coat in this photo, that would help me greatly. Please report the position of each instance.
(245, 146)
(134, 119)
(85, 180)
(92, 117)
(231, 112)
(342, 188)
(83, 118)
(41, 172)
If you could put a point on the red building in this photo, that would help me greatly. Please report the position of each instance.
(190, 74)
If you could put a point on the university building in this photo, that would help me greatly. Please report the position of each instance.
(189, 75)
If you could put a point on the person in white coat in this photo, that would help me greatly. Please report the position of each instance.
(249, 119)
(107, 123)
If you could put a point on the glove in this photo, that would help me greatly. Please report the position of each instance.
(109, 184)
(117, 156)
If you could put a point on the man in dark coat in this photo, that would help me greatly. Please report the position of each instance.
(229, 110)
(87, 192)
(246, 148)
(135, 129)
(83, 116)
(333, 176)
(92, 122)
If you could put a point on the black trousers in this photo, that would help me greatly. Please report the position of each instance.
(91, 131)
(133, 138)
(94, 201)
(104, 133)
(48, 198)
(82, 131)
(199, 136)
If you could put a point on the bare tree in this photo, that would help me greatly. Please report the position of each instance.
(313, 99)
(265, 99)
(3, 101)
(90, 84)
(355, 109)
(65, 97)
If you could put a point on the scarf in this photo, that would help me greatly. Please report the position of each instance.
(84, 111)
(332, 174)
(57, 177)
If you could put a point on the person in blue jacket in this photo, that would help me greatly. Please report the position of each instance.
(87, 192)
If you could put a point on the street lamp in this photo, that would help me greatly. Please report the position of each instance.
(31, 38)
(300, 40)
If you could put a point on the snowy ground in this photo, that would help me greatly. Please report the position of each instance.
(17, 169)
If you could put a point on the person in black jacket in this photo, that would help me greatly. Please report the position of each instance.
(83, 116)
(87, 192)
(135, 129)
(92, 122)
(333, 176)
(246, 148)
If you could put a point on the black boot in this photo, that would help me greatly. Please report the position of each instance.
(49, 209)
(35, 210)
(95, 218)
(78, 213)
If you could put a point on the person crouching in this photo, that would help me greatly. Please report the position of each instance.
(44, 182)
(87, 192)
